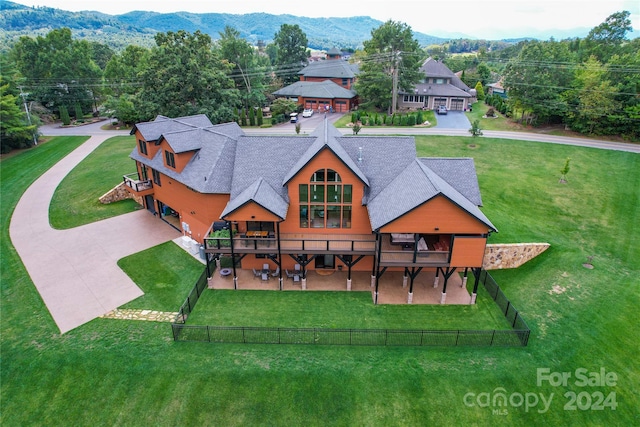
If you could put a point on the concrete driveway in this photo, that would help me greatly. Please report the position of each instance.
(75, 271)
(453, 120)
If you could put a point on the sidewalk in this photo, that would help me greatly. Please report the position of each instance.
(75, 271)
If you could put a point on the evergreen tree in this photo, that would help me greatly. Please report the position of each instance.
(479, 91)
(64, 115)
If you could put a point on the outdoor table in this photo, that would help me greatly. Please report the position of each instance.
(225, 272)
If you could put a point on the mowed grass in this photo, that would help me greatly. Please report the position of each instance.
(341, 310)
(111, 372)
(75, 201)
(165, 273)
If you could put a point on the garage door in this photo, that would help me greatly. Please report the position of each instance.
(341, 106)
(457, 104)
(310, 104)
(439, 101)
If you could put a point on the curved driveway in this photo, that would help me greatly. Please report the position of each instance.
(76, 271)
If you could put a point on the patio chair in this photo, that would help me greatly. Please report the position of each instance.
(265, 268)
(289, 274)
(296, 268)
(256, 273)
(276, 272)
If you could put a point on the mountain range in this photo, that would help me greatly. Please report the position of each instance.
(322, 33)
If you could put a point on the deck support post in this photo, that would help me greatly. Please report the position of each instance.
(348, 284)
(405, 278)
(235, 282)
(473, 298)
(373, 281)
(409, 297)
(303, 283)
(443, 297)
(476, 273)
(464, 278)
(280, 282)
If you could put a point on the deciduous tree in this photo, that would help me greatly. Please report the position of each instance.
(291, 57)
(391, 53)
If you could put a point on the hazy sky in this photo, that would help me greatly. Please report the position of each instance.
(481, 18)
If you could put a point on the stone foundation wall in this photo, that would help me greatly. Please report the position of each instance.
(511, 255)
(117, 193)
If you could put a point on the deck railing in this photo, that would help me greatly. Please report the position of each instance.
(134, 182)
(289, 245)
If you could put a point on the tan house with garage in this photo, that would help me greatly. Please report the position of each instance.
(440, 86)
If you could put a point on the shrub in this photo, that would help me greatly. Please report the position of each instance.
(403, 120)
(64, 115)
(420, 118)
(491, 112)
(79, 114)
(259, 117)
(252, 116)
(411, 120)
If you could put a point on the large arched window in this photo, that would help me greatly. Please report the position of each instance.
(325, 202)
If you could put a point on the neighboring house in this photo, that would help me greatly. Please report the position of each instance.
(496, 89)
(324, 84)
(322, 201)
(439, 87)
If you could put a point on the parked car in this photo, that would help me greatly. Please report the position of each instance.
(308, 112)
(294, 117)
(441, 109)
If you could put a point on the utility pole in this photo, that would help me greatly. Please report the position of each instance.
(394, 90)
(26, 110)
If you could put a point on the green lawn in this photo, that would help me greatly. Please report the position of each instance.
(167, 276)
(500, 122)
(111, 372)
(342, 310)
(75, 201)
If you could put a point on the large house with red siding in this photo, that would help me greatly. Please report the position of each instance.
(317, 202)
(324, 85)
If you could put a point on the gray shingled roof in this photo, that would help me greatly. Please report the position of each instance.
(211, 169)
(331, 68)
(414, 186)
(431, 89)
(433, 68)
(326, 89)
(261, 193)
(151, 131)
(258, 168)
(460, 173)
(325, 137)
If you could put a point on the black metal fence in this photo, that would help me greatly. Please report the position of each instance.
(190, 303)
(518, 336)
(513, 316)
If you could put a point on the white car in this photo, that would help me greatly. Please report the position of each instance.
(308, 112)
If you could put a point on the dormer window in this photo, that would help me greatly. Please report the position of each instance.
(142, 146)
(170, 159)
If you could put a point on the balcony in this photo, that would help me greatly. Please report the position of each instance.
(138, 186)
(407, 255)
(347, 244)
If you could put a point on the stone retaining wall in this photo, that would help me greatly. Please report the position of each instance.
(117, 193)
(511, 255)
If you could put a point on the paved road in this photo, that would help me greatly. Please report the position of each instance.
(76, 271)
(525, 136)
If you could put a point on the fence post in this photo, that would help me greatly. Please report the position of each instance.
(208, 334)
(457, 336)
(492, 335)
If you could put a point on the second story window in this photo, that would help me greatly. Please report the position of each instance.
(170, 159)
(325, 202)
(142, 146)
(156, 177)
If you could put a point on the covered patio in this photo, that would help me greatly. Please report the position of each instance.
(390, 290)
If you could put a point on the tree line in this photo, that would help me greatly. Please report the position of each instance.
(591, 85)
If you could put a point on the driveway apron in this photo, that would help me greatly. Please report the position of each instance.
(75, 271)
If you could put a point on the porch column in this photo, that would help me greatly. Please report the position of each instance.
(279, 254)
(476, 273)
(233, 256)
